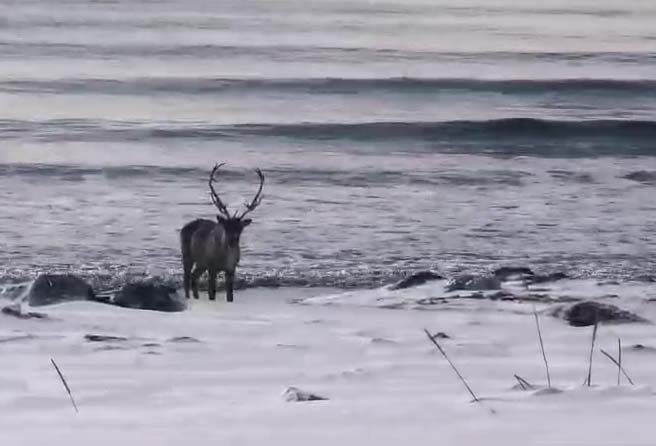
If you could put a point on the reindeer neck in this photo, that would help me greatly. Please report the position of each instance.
(219, 235)
(221, 239)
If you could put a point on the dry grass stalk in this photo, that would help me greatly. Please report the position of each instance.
(544, 356)
(63, 380)
(594, 337)
(439, 347)
(619, 366)
(525, 385)
(619, 359)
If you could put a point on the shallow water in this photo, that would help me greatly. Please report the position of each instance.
(395, 136)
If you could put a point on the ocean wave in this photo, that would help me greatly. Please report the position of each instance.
(304, 53)
(149, 86)
(74, 171)
(513, 136)
(290, 176)
(460, 129)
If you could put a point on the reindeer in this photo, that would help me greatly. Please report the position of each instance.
(214, 246)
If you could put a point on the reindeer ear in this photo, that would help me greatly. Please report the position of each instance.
(220, 219)
(245, 222)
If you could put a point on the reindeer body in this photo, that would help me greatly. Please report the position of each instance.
(205, 247)
(214, 246)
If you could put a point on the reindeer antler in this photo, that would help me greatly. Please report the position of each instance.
(255, 202)
(215, 197)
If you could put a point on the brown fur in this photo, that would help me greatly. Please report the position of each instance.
(205, 247)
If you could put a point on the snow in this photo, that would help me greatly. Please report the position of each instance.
(218, 372)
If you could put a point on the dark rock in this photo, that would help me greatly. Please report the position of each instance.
(441, 335)
(103, 338)
(184, 339)
(506, 272)
(543, 278)
(298, 395)
(608, 282)
(585, 313)
(149, 296)
(470, 282)
(416, 279)
(643, 348)
(432, 301)
(12, 310)
(526, 274)
(108, 348)
(50, 289)
(502, 295)
(477, 295)
(641, 176)
(16, 311)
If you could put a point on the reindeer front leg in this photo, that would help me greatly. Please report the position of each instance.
(211, 283)
(229, 284)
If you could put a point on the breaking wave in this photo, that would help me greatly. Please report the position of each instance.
(283, 176)
(149, 86)
(513, 136)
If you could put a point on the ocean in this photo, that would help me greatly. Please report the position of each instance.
(395, 136)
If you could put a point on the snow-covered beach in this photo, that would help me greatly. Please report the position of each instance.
(453, 137)
(217, 373)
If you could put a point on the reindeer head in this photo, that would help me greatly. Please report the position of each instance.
(233, 225)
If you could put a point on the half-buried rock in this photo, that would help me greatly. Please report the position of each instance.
(508, 272)
(50, 289)
(16, 310)
(416, 279)
(586, 313)
(149, 296)
(297, 395)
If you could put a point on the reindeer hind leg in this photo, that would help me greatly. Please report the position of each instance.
(186, 269)
(195, 275)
